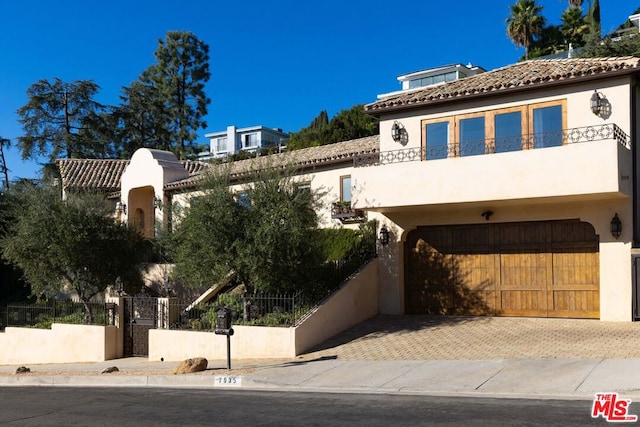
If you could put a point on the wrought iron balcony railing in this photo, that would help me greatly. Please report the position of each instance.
(498, 145)
(345, 213)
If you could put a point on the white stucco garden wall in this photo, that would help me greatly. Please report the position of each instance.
(61, 344)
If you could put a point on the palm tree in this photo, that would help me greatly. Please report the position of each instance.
(525, 23)
(575, 3)
(574, 26)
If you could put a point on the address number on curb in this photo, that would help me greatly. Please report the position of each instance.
(227, 381)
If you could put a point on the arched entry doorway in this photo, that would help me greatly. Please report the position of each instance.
(542, 269)
(141, 210)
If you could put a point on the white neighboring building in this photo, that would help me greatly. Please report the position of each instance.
(234, 140)
(432, 76)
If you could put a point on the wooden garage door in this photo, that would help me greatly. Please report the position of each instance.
(544, 269)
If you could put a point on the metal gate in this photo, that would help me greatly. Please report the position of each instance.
(140, 315)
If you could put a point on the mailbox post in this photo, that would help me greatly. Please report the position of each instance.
(223, 327)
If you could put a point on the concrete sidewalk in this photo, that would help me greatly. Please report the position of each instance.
(534, 378)
(431, 355)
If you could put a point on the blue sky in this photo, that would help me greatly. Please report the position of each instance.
(273, 63)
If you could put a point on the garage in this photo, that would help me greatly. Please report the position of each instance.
(538, 269)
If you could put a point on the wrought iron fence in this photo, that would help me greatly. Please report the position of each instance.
(498, 145)
(274, 310)
(257, 310)
(44, 314)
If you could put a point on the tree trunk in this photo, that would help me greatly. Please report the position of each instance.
(88, 317)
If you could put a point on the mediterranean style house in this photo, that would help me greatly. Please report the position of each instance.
(513, 192)
(509, 192)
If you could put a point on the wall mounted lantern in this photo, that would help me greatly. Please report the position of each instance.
(157, 203)
(487, 214)
(121, 208)
(616, 226)
(383, 236)
(597, 103)
(396, 131)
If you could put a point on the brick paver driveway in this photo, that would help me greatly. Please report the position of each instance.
(387, 337)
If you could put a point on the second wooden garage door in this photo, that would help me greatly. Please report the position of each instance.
(544, 269)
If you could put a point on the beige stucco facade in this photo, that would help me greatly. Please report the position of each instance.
(60, 344)
(586, 180)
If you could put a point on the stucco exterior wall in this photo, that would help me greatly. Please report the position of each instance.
(355, 303)
(590, 181)
(577, 96)
(61, 344)
(615, 254)
(143, 180)
(247, 342)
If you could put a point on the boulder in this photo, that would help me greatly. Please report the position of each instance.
(189, 366)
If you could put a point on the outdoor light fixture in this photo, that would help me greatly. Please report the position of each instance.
(597, 104)
(384, 235)
(487, 214)
(396, 131)
(121, 207)
(616, 226)
(157, 203)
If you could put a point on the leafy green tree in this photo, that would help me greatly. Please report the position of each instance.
(178, 100)
(279, 251)
(610, 46)
(205, 239)
(72, 244)
(263, 239)
(550, 41)
(346, 125)
(312, 135)
(619, 43)
(351, 124)
(525, 24)
(55, 117)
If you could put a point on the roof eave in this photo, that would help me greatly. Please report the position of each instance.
(481, 94)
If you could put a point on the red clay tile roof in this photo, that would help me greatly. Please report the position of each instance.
(304, 158)
(99, 174)
(104, 175)
(524, 75)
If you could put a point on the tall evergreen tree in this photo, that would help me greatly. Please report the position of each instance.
(55, 120)
(593, 17)
(4, 143)
(525, 23)
(143, 119)
(178, 79)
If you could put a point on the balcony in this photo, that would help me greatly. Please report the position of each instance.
(346, 214)
(579, 163)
